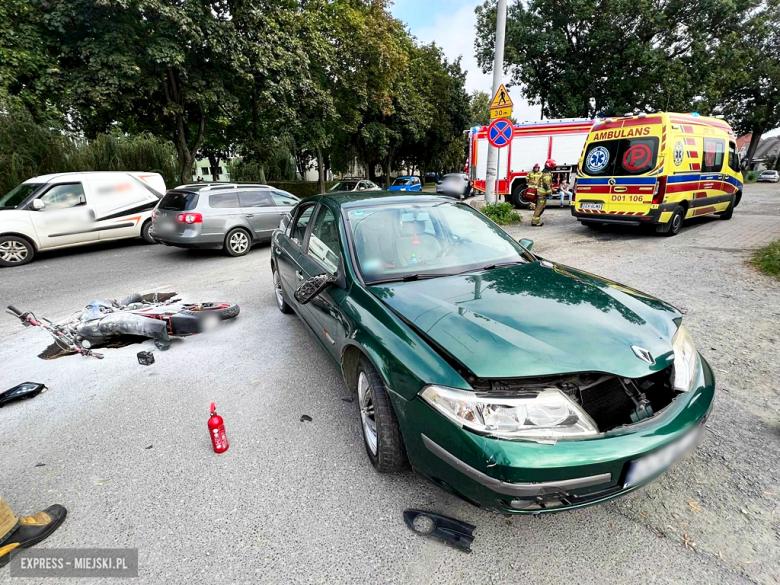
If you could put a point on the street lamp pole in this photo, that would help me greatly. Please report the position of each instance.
(498, 71)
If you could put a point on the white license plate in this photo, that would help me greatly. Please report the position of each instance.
(651, 465)
(163, 226)
(594, 206)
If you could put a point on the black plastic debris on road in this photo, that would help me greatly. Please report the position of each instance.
(40, 465)
(149, 447)
(348, 399)
(23, 391)
(145, 358)
(305, 417)
(458, 534)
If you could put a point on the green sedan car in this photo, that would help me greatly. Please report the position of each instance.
(513, 382)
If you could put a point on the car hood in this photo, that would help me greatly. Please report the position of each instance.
(537, 319)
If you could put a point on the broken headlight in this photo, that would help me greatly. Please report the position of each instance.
(549, 415)
(686, 360)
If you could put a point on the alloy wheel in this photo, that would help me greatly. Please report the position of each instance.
(239, 242)
(12, 251)
(366, 400)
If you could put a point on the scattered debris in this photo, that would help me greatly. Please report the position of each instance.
(145, 358)
(348, 399)
(101, 481)
(694, 507)
(306, 417)
(642, 514)
(720, 555)
(40, 465)
(219, 440)
(23, 391)
(149, 447)
(612, 527)
(688, 543)
(457, 533)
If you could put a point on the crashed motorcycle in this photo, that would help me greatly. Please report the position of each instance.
(158, 317)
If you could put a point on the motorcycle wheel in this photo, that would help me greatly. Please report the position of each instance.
(224, 311)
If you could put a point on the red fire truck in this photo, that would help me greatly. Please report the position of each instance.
(533, 143)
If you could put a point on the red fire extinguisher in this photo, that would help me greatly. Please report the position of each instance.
(217, 431)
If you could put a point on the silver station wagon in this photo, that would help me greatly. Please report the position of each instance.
(231, 217)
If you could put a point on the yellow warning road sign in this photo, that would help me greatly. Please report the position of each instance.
(501, 99)
(500, 113)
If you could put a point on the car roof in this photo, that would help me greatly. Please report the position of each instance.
(348, 199)
(199, 187)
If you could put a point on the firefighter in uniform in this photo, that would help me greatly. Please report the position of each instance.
(532, 181)
(543, 191)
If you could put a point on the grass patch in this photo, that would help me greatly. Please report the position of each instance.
(767, 259)
(502, 213)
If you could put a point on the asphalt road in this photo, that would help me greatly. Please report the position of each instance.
(126, 449)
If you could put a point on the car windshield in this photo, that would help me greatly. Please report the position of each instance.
(398, 241)
(625, 156)
(174, 201)
(453, 177)
(400, 182)
(769, 173)
(15, 196)
(344, 186)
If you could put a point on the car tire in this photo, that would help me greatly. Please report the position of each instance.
(238, 241)
(729, 211)
(673, 227)
(517, 197)
(381, 434)
(279, 292)
(224, 311)
(15, 251)
(145, 235)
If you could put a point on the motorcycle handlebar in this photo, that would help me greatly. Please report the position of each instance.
(14, 310)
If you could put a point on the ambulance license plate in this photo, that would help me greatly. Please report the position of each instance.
(593, 206)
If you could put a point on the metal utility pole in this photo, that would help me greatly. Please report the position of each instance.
(498, 71)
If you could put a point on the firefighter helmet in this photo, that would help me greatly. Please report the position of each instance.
(536, 166)
(550, 164)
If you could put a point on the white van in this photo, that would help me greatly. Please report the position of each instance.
(72, 209)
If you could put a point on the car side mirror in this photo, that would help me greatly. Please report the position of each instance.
(314, 286)
(38, 204)
(526, 243)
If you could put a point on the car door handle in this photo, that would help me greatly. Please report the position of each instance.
(91, 214)
(299, 274)
(249, 215)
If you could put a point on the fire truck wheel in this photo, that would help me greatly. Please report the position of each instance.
(517, 197)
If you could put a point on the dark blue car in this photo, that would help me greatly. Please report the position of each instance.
(407, 183)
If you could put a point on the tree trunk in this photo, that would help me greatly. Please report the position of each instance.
(320, 170)
(262, 174)
(754, 140)
(214, 163)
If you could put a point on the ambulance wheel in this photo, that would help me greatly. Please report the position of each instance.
(672, 228)
(517, 197)
(729, 210)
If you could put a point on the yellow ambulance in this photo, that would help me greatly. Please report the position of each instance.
(658, 169)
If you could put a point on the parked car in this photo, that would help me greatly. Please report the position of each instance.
(406, 183)
(73, 209)
(354, 185)
(228, 217)
(768, 177)
(454, 185)
(513, 382)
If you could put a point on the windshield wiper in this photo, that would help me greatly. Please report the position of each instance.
(410, 277)
(501, 265)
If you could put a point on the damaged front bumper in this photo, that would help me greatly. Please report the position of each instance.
(525, 477)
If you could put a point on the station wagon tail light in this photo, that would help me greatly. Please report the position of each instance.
(686, 360)
(189, 218)
(660, 191)
(547, 416)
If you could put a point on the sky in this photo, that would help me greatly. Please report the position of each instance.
(452, 25)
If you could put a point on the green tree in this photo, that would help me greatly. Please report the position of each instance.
(749, 60)
(479, 109)
(580, 58)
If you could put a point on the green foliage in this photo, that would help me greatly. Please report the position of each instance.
(767, 259)
(751, 176)
(502, 213)
(29, 149)
(301, 189)
(479, 109)
(581, 58)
